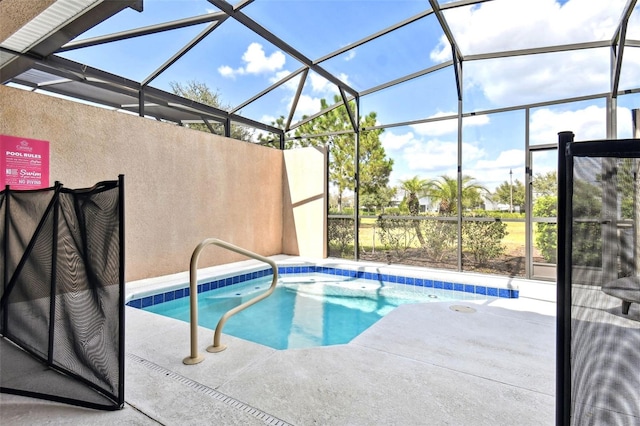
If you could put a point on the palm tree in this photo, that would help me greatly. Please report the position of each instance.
(445, 189)
(415, 188)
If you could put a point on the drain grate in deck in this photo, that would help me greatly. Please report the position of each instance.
(259, 414)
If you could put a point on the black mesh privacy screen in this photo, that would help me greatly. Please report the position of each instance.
(62, 298)
(598, 283)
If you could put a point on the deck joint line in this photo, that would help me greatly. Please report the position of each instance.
(253, 411)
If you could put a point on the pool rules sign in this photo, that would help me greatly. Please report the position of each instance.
(24, 163)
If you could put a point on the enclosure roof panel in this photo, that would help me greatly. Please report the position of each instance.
(296, 53)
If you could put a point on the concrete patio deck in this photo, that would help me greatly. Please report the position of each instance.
(421, 364)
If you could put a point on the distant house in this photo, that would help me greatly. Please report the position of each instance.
(426, 205)
(499, 207)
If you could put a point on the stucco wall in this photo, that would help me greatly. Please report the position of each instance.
(181, 185)
(305, 202)
(16, 13)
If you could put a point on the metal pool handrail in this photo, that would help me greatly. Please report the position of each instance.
(195, 358)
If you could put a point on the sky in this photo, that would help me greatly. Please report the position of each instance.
(238, 64)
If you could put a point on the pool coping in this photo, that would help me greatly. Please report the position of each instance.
(146, 292)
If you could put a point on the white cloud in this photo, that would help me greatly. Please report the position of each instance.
(316, 88)
(416, 155)
(344, 78)
(431, 158)
(279, 76)
(444, 127)
(491, 172)
(291, 85)
(588, 123)
(431, 155)
(516, 24)
(435, 157)
(544, 162)
(491, 179)
(535, 78)
(436, 128)
(318, 83)
(438, 156)
(307, 105)
(520, 24)
(631, 61)
(324, 87)
(268, 119)
(309, 102)
(226, 71)
(393, 142)
(257, 62)
(512, 158)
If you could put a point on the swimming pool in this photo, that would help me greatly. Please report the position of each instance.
(310, 307)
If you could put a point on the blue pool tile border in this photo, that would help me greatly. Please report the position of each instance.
(147, 301)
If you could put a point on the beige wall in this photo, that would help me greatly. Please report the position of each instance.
(16, 13)
(305, 202)
(181, 185)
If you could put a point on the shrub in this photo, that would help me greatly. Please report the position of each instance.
(392, 211)
(341, 234)
(587, 236)
(546, 233)
(440, 238)
(587, 244)
(483, 239)
(500, 214)
(398, 235)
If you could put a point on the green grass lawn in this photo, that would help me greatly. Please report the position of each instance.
(514, 240)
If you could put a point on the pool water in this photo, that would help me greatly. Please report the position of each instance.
(304, 311)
